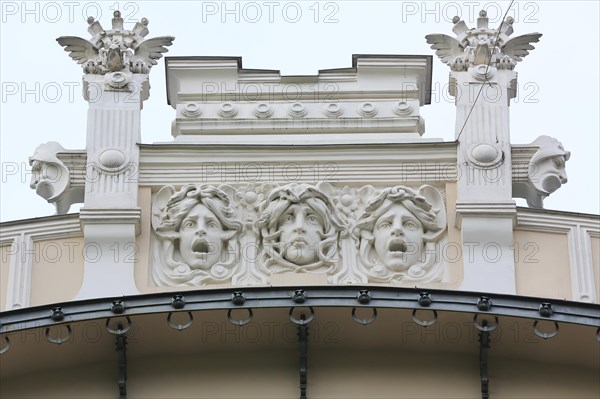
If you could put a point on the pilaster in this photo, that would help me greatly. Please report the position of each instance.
(485, 211)
(116, 65)
(483, 81)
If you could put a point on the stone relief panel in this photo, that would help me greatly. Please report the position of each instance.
(398, 233)
(199, 233)
(299, 228)
(206, 235)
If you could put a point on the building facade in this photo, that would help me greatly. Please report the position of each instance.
(298, 237)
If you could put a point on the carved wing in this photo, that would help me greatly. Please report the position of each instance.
(79, 49)
(518, 47)
(152, 49)
(447, 47)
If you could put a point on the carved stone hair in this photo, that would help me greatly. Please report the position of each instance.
(277, 202)
(189, 196)
(410, 199)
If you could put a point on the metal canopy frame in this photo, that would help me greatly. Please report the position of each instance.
(316, 296)
(306, 298)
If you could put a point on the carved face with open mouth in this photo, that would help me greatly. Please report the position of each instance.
(301, 233)
(44, 179)
(201, 238)
(398, 238)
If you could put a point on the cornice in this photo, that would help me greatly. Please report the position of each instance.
(545, 220)
(111, 217)
(485, 210)
(180, 164)
(418, 67)
(48, 227)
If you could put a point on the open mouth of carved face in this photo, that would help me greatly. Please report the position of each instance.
(200, 246)
(43, 188)
(397, 246)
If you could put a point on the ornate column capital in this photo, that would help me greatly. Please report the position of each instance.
(114, 59)
(481, 45)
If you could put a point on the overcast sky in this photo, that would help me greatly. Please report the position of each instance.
(41, 86)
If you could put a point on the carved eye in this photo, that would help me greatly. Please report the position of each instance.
(384, 225)
(212, 225)
(188, 224)
(410, 225)
(312, 219)
(558, 163)
(287, 218)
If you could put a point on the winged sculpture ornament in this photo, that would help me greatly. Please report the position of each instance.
(481, 45)
(116, 49)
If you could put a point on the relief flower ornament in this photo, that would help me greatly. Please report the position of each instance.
(250, 197)
(346, 201)
(351, 201)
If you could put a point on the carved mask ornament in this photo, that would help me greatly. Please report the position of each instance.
(299, 228)
(398, 238)
(199, 229)
(547, 167)
(397, 232)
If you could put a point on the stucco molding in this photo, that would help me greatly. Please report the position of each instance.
(490, 209)
(22, 241)
(111, 216)
(233, 102)
(433, 163)
(579, 230)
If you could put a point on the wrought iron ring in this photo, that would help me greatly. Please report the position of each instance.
(120, 330)
(6, 347)
(424, 323)
(485, 327)
(364, 322)
(545, 335)
(240, 322)
(60, 340)
(180, 327)
(302, 321)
